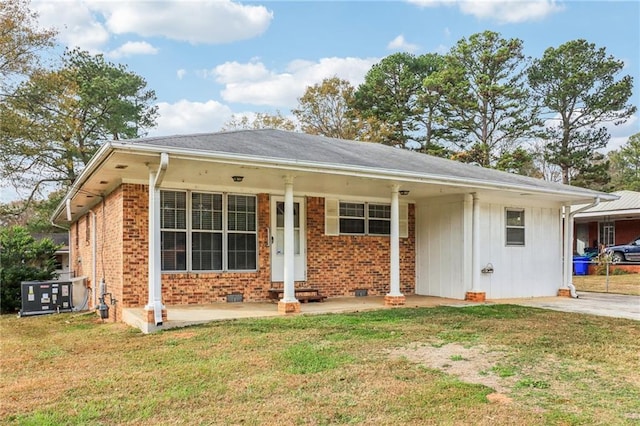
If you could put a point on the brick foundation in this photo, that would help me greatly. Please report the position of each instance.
(288, 307)
(564, 292)
(151, 317)
(394, 300)
(475, 296)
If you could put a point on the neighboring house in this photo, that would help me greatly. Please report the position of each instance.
(193, 219)
(62, 254)
(606, 224)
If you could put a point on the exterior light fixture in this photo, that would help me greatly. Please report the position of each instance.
(404, 192)
(237, 178)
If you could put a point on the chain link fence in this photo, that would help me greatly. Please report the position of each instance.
(601, 274)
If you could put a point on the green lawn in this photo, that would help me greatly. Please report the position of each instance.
(492, 364)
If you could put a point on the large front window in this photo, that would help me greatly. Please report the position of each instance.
(196, 236)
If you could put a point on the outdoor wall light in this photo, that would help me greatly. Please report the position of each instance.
(404, 192)
(237, 178)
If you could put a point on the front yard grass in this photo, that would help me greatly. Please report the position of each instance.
(481, 365)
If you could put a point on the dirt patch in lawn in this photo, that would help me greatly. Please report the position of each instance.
(475, 364)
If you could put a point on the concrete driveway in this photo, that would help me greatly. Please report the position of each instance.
(603, 304)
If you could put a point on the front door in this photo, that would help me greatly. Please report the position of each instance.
(277, 239)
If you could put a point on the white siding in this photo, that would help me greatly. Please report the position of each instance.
(443, 243)
(441, 246)
(530, 271)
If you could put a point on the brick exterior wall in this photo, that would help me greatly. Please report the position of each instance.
(625, 231)
(337, 265)
(109, 249)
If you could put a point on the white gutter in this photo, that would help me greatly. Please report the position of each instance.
(568, 243)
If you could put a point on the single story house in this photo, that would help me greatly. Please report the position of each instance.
(196, 218)
(607, 224)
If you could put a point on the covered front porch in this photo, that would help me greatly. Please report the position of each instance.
(187, 315)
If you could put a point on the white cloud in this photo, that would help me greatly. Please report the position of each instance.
(510, 11)
(131, 48)
(621, 133)
(91, 24)
(190, 117)
(503, 11)
(181, 73)
(400, 44)
(253, 83)
(203, 21)
(79, 27)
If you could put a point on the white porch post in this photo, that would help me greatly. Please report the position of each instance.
(475, 294)
(568, 246)
(475, 244)
(155, 287)
(394, 297)
(289, 303)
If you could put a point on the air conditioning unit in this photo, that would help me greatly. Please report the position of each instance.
(46, 297)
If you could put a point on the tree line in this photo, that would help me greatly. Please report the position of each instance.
(483, 102)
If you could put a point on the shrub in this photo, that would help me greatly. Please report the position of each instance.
(22, 258)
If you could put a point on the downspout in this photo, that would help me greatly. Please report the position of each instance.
(94, 255)
(568, 243)
(155, 273)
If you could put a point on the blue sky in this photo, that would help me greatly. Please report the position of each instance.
(207, 60)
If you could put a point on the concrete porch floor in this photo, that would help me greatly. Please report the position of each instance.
(186, 315)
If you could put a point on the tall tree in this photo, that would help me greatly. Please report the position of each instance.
(259, 121)
(625, 165)
(324, 109)
(390, 95)
(486, 98)
(579, 90)
(21, 42)
(58, 119)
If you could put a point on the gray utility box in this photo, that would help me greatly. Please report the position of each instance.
(46, 297)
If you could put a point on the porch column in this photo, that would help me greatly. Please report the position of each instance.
(475, 294)
(568, 247)
(289, 303)
(154, 306)
(394, 297)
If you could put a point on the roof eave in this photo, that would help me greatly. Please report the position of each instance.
(578, 196)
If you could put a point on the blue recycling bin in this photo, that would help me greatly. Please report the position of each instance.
(581, 265)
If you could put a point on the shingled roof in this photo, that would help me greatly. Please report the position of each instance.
(270, 144)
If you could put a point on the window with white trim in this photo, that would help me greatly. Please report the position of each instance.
(365, 218)
(607, 231)
(208, 231)
(514, 227)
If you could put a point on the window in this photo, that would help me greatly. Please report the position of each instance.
(515, 227)
(365, 218)
(173, 226)
(379, 219)
(206, 236)
(352, 218)
(208, 232)
(241, 237)
(87, 228)
(607, 233)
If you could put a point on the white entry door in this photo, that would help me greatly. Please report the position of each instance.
(277, 239)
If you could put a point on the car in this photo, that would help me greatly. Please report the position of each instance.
(625, 252)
